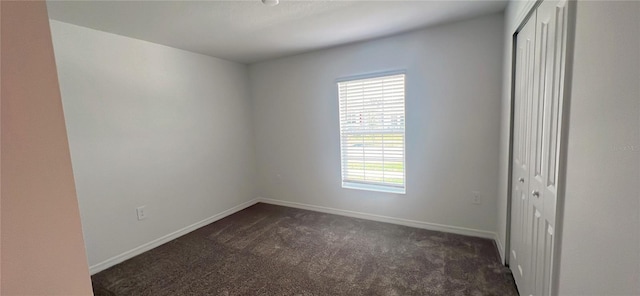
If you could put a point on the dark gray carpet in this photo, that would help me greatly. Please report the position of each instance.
(273, 250)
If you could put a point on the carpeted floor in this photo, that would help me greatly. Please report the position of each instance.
(273, 250)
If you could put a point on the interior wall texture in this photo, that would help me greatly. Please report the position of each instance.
(42, 247)
(601, 233)
(453, 96)
(152, 126)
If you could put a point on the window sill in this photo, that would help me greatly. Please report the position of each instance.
(371, 187)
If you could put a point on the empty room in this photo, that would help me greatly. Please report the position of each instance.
(281, 147)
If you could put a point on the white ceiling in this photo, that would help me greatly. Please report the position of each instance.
(249, 31)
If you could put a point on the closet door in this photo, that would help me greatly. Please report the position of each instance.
(539, 87)
(524, 87)
(548, 93)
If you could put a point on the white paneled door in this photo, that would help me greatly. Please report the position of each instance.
(539, 87)
(521, 151)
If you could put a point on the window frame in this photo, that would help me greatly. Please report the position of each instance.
(369, 186)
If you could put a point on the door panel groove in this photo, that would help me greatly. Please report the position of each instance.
(539, 74)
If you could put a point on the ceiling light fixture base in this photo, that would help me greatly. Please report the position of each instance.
(271, 2)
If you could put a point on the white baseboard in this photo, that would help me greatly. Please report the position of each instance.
(500, 247)
(171, 236)
(379, 218)
(411, 223)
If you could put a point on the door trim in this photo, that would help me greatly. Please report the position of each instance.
(564, 141)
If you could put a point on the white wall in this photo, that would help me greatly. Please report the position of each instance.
(151, 125)
(601, 237)
(453, 120)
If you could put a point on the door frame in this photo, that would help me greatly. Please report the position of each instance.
(521, 19)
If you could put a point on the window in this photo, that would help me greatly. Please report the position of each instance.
(372, 139)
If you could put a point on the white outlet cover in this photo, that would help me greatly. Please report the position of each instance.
(476, 199)
(141, 212)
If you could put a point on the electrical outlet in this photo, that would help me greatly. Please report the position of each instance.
(142, 212)
(278, 178)
(475, 197)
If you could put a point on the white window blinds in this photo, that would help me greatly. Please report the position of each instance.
(372, 121)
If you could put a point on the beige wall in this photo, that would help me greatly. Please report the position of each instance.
(42, 247)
